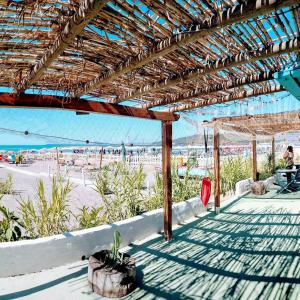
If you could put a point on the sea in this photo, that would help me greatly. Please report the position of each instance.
(16, 148)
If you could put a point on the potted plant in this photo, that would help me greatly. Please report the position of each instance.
(111, 273)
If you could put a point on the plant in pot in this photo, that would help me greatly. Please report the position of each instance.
(111, 273)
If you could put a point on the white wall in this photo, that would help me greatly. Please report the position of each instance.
(35, 255)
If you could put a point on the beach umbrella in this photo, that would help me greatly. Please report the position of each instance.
(123, 151)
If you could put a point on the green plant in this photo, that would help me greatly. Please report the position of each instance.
(126, 196)
(90, 217)
(10, 226)
(102, 181)
(267, 167)
(155, 199)
(50, 216)
(182, 188)
(280, 164)
(115, 254)
(233, 169)
(7, 185)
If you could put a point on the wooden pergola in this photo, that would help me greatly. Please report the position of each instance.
(253, 125)
(175, 55)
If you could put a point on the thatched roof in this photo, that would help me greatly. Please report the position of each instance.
(263, 124)
(183, 54)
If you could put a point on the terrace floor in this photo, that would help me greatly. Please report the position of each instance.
(249, 251)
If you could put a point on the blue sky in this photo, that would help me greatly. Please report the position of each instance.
(114, 129)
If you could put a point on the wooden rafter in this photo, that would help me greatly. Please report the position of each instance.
(87, 11)
(220, 64)
(228, 84)
(239, 95)
(239, 12)
(79, 105)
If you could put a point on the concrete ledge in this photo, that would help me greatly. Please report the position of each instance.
(35, 255)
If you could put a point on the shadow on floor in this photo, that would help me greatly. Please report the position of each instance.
(249, 251)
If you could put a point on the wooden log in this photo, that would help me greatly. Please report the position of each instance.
(254, 159)
(109, 281)
(217, 170)
(233, 14)
(87, 11)
(167, 180)
(213, 67)
(79, 105)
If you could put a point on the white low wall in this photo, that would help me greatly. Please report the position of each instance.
(245, 185)
(35, 255)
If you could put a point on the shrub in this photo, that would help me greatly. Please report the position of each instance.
(6, 186)
(90, 217)
(233, 169)
(10, 226)
(50, 216)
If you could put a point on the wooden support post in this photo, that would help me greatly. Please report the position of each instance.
(254, 159)
(273, 154)
(57, 160)
(217, 170)
(167, 180)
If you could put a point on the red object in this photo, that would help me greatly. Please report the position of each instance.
(0, 157)
(205, 190)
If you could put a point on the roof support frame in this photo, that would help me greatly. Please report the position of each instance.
(79, 105)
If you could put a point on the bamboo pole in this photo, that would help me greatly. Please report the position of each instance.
(167, 180)
(57, 158)
(223, 85)
(101, 158)
(217, 170)
(254, 159)
(241, 94)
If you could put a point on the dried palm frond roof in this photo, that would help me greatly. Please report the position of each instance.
(263, 124)
(182, 54)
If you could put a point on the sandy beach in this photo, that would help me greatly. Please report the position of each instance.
(25, 179)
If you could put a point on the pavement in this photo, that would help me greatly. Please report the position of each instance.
(251, 250)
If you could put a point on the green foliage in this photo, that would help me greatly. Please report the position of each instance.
(102, 181)
(182, 188)
(233, 169)
(267, 167)
(126, 196)
(155, 199)
(50, 216)
(115, 254)
(10, 225)
(6, 187)
(280, 164)
(90, 217)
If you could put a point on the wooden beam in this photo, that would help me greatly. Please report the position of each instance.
(273, 154)
(87, 10)
(237, 13)
(167, 180)
(79, 105)
(212, 88)
(239, 95)
(254, 159)
(214, 67)
(217, 169)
